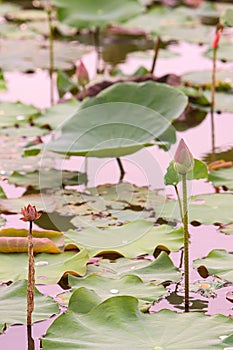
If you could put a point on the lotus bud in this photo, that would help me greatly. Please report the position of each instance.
(183, 159)
(216, 39)
(30, 213)
(82, 74)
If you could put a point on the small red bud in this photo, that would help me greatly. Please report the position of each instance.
(217, 37)
(82, 74)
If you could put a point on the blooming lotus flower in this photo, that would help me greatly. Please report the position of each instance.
(82, 74)
(30, 213)
(183, 159)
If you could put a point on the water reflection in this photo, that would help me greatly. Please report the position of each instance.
(31, 343)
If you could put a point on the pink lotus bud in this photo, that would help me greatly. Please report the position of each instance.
(30, 213)
(183, 159)
(216, 39)
(82, 74)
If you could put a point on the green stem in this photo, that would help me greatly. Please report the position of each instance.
(179, 201)
(122, 171)
(212, 108)
(186, 244)
(31, 278)
(51, 56)
(156, 52)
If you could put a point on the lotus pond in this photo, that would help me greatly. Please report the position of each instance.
(95, 97)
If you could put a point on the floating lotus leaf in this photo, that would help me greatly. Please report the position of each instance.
(16, 113)
(224, 52)
(34, 54)
(56, 115)
(223, 101)
(227, 18)
(130, 285)
(13, 304)
(47, 179)
(118, 322)
(50, 268)
(2, 221)
(228, 229)
(158, 271)
(27, 15)
(222, 177)
(130, 240)
(15, 32)
(25, 131)
(203, 78)
(7, 7)
(101, 13)
(218, 262)
(206, 209)
(43, 202)
(15, 241)
(198, 34)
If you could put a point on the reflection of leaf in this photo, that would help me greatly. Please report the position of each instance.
(50, 268)
(15, 241)
(206, 209)
(117, 323)
(218, 262)
(131, 239)
(13, 308)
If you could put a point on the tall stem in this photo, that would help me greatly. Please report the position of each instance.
(156, 52)
(31, 343)
(212, 108)
(186, 244)
(31, 277)
(51, 56)
(97, 48)
(122, 171)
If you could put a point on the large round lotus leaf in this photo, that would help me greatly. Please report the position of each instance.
(50, 268)
(203, 78)
(130, 285)
(14, 113)
(170, 102)
(109, 130)
(34, 54)
(89, 13)
(54, 116)
(13, 304)
(130, 240)
(206, 209)
(117, 324)
(218, 262)
(43, 202)
(222, 177)
(45, 179)
(158, 271)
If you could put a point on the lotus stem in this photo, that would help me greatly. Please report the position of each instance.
(51, 55)
(212, 108)
(31, 344)
(31, 277)
(122, 171)
(156, 52)
(97, 48)
(179, 201)
(186, 243)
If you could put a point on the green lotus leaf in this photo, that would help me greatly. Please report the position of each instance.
(58, 114)
(223, 101)
(224, 52)
(26, 15)
(218, 262)
(207, 209)
(198, 34)
(222, 177)
(199, 172)
(15, 241)
(131, 285)
(16, 113)
(118, 322)
(8, 7)
(2, 221)
(47, 179)
(158, 271)
(33, 54)
(101, 13)
(226, 18)
(13, 304)
(25, 131)
(203, 78)
(130, 240)
(49, 268)
(228, 229)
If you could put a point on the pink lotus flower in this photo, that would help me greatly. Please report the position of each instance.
(183, 159)
(30, 213)
(82, 74)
